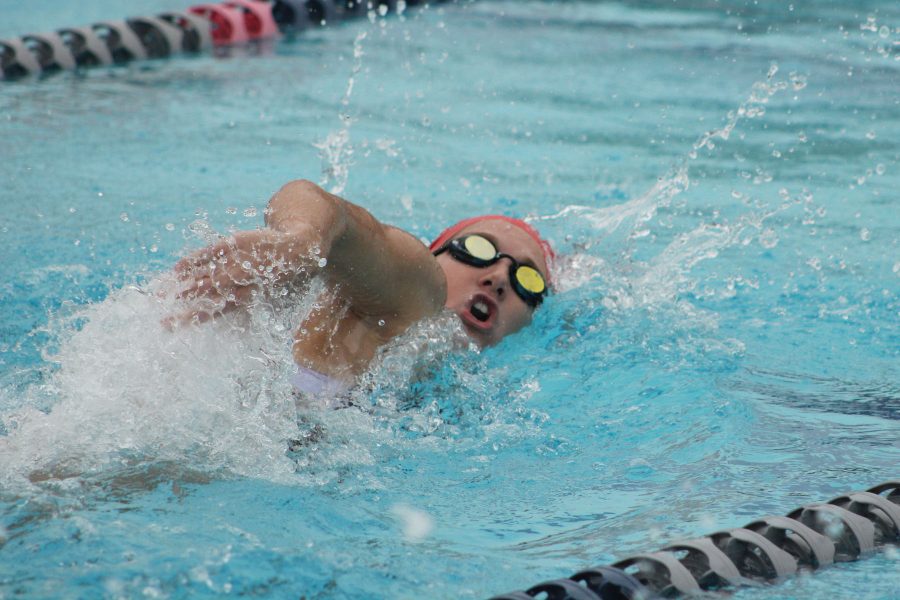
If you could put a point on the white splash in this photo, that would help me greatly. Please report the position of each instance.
(335, 150)
(127, 389)
(415, 523)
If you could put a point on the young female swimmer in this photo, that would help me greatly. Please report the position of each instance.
(492, 271)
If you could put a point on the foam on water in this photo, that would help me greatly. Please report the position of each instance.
(215, 398)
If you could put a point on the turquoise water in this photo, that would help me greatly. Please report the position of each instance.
(721, 182)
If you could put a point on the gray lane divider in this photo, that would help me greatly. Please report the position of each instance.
(710, 566)
(885, 515)
(754, 555)
(609, 582)
(86, 46)
(197, 34)
(889, 486)
(16, 60)
(662, 571)
(231, 22)
(51, 52)
(296, 15)
(766, 550)
(561, 589)
(811, 549)
(158, 37)
(853, 536)
(123, 44)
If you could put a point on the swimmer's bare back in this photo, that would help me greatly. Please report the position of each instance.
(380, 280)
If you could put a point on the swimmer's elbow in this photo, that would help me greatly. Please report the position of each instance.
(300, 201)
(300, 187)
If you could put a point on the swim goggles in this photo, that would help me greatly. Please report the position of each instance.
(478, 251)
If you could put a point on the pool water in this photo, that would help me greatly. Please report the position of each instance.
(719, 178)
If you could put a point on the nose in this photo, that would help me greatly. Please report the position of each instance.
(496, 277)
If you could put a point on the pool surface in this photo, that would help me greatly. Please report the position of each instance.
(720, 179)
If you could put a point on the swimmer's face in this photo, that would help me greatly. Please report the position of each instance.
(498, 310)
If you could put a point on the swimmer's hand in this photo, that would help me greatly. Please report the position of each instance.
(231, 272)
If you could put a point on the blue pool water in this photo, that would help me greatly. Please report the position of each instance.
(720, 179)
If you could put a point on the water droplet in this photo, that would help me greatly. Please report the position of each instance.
(322, 262)
(768, 239)
(865, 235)
(381, 322)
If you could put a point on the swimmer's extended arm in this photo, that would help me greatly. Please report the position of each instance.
(384, 273)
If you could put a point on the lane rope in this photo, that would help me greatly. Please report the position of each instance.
(198, 28)
(768, 550)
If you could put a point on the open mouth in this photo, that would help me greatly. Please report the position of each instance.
(480, 310)
(480, 313)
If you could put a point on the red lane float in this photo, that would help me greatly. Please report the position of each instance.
(258, 19)
(228, 26)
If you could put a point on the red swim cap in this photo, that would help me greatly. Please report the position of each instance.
(451, 231)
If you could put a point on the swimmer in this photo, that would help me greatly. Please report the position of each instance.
(491, 271)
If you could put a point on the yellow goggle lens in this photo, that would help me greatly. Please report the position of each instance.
(530, 279)
(479, 247)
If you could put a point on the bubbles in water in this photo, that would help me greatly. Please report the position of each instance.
(865, 235)
(123, 217)
(870, 135)
(231, 210)
(322, 262)
(170, 226)
(768, 239)
(798, 82)
(879, 169)
(250, 211)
